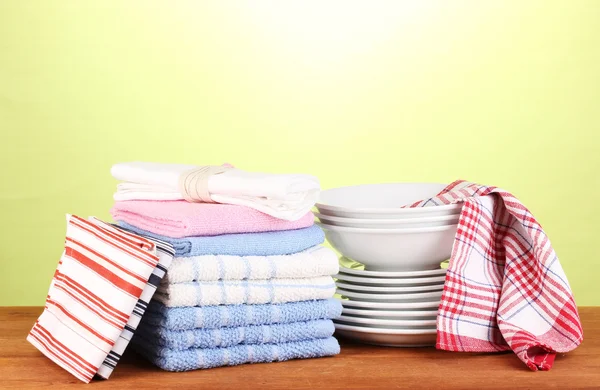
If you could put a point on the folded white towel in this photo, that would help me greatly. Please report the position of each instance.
(245, 292)
(316, 261)
(287, 197)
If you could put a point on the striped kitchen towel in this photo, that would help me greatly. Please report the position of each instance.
(100, 277)
(165, 254)
(505, 288)
(315, 261)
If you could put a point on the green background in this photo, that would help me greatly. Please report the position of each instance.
(499, 92)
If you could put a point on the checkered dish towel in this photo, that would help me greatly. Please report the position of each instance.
(505, 288)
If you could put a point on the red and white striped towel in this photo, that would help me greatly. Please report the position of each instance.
(95, 288)
(505, 288)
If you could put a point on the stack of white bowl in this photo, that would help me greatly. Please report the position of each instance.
(390, 278)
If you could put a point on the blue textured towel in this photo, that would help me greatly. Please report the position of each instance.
(283, 242)
(228, 337)
(212, 317)
(196, 358)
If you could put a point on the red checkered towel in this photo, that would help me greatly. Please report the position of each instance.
(505, 288)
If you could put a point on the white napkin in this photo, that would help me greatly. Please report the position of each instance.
(283, 196)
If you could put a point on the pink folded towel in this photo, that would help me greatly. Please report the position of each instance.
(183, 219)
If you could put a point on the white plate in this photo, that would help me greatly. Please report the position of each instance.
(391, 282)
(386, 323)
(418, 297)
(383, 201)
(389, 306)
(356, 270)
(389, 223)
(388, 337)
(389, 314)
(415, 249)
(389, 289)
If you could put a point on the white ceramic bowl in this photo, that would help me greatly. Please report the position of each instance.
(383, 201)
(389, 223)
(393, 249)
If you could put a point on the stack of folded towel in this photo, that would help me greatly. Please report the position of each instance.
(249, 281)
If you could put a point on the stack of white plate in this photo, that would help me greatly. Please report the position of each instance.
(392, 308)
(390, 279)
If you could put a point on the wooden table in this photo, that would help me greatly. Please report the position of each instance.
(357, 367)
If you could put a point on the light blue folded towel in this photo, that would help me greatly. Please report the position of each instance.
(212, 317)
(284, 242)
(197, 358)
(228, 337)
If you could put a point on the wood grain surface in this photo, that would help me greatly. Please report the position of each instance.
(357, 367)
